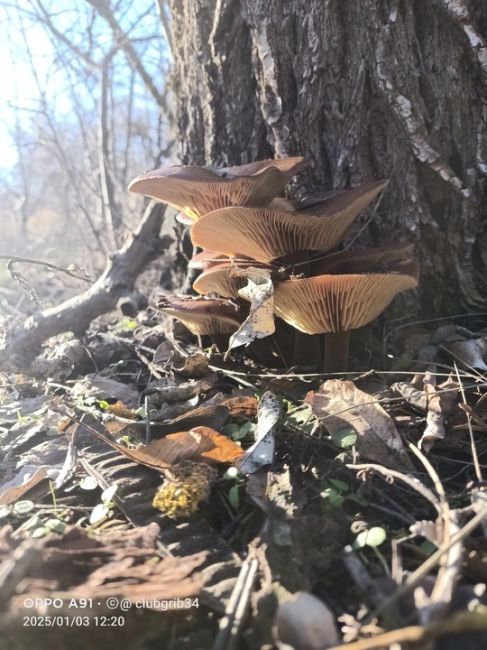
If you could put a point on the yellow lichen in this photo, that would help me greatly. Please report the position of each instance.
(186, 485)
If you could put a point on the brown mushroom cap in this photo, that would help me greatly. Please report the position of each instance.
(206, 259)
(387, 258)
(338, 303)
(266, 234)
(221, 278)
(287, 166)
(199, 190)
(203, 316)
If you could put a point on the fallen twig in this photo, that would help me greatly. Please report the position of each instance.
(462, 623)
(23, 342)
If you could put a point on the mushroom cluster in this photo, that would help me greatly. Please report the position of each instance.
(239, 221)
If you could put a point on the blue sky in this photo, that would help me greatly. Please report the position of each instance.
(19, 94)
(18, 88)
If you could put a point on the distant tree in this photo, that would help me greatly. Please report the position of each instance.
(91, 109)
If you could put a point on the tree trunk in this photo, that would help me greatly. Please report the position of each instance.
(371, 89)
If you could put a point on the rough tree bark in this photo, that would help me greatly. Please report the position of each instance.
(369, 89)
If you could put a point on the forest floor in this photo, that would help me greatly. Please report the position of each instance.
(296, 510)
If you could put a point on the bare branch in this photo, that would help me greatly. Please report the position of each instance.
(121, 38)
(117, 280)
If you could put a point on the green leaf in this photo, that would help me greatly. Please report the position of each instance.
(243, 431)
(39, 532)
(372, 537)
(23, 507)
(55, 526)
(333, 496)
(88, 483)
(339, 485)
(103, 404)
(344, 438)
(301, 415)
(428, 547)
(230, 429)
(108, 494)
(358, 499)
(234, 497)
(99, 513)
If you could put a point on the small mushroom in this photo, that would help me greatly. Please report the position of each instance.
(199, 190)
(223, 280)
(336, 304)
(203, 316)
(206, 259)
(265, 234)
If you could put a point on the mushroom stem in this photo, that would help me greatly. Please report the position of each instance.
(220, 341)
(336, 351)
(306, 349)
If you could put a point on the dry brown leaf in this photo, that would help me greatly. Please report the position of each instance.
(245, 406)
(339, 404)
(25, 480)
(214, 416)
(439, 405)
(122, 411)
(103, 388)
(199, 444)
(259, 291)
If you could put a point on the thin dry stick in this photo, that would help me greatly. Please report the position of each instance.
(315, 375)
(450, 564)
(409, 480)
(475, 457)
(237, 606)
(482, 424)
(462, 623)
(79, 275)
(431, 562)
(474, 371)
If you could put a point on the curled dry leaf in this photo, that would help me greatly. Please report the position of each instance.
(340, 405)
(412, 395)
(242, 406)
(28, 477)
(199, 444)
(262, 451)
(259, 291)
(104, 388)
(439, 404)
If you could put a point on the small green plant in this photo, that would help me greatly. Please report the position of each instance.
(104, 510)
(336, 492)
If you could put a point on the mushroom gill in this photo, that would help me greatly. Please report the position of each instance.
(336, 304)
(265, 234)
(203, 316)
(199, 190)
